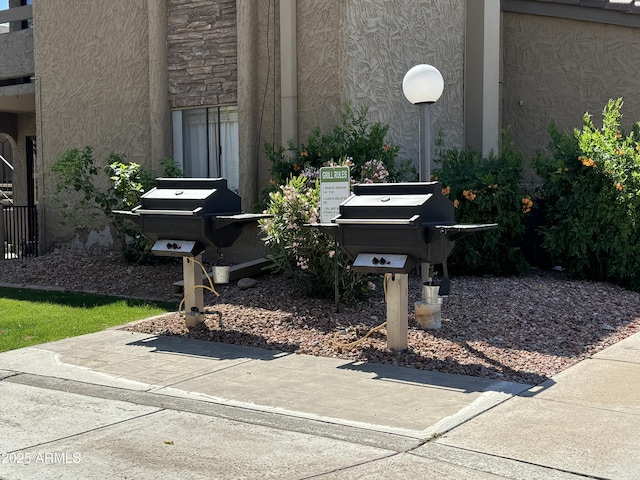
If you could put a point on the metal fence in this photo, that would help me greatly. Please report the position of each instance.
(6, 181)
(18, 232)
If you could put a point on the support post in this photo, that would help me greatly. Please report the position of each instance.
(425, 141)
(194, 297)
(3, 250)
(482, 75)
(397, 310)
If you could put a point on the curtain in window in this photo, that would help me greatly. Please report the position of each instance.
(194, 138)
(210, 147)
(229, 154)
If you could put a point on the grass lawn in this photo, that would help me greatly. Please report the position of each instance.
(29, 317)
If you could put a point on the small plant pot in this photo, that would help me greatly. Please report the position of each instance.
(220, 274)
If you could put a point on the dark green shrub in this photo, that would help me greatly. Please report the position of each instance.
(592, 193)
(356, 140)
(486, 190)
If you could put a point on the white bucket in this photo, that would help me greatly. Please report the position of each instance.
(220, 274)
(428, 316)
(430, 294)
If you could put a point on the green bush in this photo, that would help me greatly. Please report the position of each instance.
(76, 172)
(305, 253)
(591, 188)
(355, 138)
(486, 190)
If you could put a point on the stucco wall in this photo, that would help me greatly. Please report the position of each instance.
(94, 81)
(557, 69)
(16, 54)
(258, 93)
(360, 51)
(321, 34)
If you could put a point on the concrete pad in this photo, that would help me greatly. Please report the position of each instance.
(392, 398)
(396, 399)
(128, 360)
(170, 444)
(627, 350)
(32, 416)
(606, 384)
(490, 464)
(408, 467)
(37, 360)
(574, 438)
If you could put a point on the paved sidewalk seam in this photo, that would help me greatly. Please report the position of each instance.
(84, 432)
(346, 468)
(339, 431)
(492, 463)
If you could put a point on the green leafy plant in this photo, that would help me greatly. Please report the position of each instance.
(355, 138)
(305, 253)
(486, 190)
(170, 168)
(77, 172)
(591, 189)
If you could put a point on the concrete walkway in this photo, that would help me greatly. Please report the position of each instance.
(118, 404)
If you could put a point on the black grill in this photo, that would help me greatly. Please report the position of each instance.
(391, 227)
(185, 215)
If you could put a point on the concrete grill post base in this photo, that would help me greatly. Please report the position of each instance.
(194, 295)
(397, 288)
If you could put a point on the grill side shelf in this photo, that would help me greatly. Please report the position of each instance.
(178, 213)
(460, 230)
(376, 221)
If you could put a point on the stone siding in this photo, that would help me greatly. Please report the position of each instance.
(202, 57)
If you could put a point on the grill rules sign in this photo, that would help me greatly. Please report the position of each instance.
(335, 186)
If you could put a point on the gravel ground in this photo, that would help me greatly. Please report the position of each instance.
(522, 329)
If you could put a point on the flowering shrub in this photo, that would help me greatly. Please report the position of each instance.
(486, 190)
(374, 171)
(358, 139)
(293, 198)
(592, 193)
(307, 253)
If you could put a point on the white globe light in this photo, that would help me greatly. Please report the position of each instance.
(423, 84)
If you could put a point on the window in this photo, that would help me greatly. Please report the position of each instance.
(205, 143)
(29, 22)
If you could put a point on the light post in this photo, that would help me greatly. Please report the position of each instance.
(423, 85)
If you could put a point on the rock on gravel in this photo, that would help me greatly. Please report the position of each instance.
(523, 329)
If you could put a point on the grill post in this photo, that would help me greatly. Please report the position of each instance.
(397, 287)
(194, 296)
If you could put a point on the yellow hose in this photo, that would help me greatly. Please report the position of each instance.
(190, 292)
(373, 330)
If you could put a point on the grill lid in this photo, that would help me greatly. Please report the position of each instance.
(190, 196)
(396, 203)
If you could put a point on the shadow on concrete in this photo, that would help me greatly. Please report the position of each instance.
(431, 378)
(206, 349)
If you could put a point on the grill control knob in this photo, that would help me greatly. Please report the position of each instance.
(383, 261)
(374, 260)
(169, 246)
